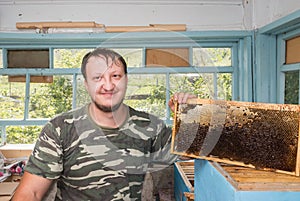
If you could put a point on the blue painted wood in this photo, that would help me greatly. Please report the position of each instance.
(152, 70)
(179, 185)
(281, 55)
(94, 39)
(284, 24)
(211, 185)
(264, 72)
(267, 196)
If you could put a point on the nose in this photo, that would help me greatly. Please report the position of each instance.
(107, 83)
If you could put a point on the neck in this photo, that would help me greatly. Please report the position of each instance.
(108, 119)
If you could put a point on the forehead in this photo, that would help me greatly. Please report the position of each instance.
(101, 62)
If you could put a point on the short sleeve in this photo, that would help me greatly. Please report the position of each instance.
(46, 158)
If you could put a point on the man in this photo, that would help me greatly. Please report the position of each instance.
(102, 150)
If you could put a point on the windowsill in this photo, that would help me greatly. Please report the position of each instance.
(17, 147)
(16, 150)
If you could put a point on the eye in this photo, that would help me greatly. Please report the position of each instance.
(97, 78)
(117, 76)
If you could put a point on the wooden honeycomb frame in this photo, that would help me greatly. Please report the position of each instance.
(258, 135)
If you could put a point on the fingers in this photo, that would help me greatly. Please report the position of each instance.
(182, 98)
(171, 104)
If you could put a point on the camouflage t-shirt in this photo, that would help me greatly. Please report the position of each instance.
(94, 163)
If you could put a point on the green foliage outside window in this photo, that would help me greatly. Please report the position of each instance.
(22, 134)
(291, 92)
(51, 99)
(145, 92)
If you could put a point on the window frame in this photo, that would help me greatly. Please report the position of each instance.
(240, 42)
(270, 50)
(282, 66)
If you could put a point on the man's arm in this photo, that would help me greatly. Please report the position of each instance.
(31, 188)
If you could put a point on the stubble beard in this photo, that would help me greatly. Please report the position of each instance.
(107, 109)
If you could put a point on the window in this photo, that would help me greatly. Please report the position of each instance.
(291, 91)
(289, 67)
(277, 63)
(210, 69)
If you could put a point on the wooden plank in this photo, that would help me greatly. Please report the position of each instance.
(190, 176)
(252, 175)
(249, 179)
(183, 175)
(116, 29)
(151, 27)
(264, 180)
(170, 27)
(64, 24)
(257, 105)
(188, 171)
(189, 196)
(186, 164)
(8, 188)
(293, 50)
(5, 198)
(174, 128)
(282, 187)
(33, 79)
(167, 57)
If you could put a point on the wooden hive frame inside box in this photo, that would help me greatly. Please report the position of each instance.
(184, 180)
(249, 179)
(258, 135)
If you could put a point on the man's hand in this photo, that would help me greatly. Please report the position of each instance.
(181, 98)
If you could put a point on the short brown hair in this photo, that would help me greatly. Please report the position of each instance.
(107, 53)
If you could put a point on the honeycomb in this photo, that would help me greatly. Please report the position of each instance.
(258, 134)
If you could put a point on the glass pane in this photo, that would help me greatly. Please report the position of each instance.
(291, 92)
(82, 97)
(198, 84)
(22, 134)
(133, 57)
(225, 86)
(69, 58)
(147, 93)
(212, 57)
(12, 96)
(48, 100)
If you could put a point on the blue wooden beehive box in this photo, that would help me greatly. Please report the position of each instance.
(184, 180)
(215, 182)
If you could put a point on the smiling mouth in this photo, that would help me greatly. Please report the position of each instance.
(108, 94)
